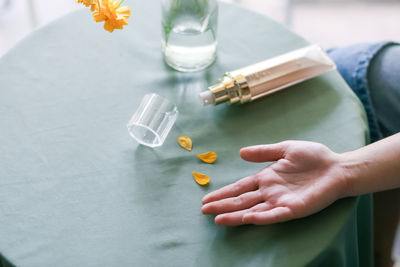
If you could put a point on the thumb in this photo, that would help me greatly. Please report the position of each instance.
(263, 153)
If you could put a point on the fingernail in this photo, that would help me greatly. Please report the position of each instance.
(203, 209)
(217, 219)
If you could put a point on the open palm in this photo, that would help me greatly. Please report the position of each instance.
(305, 178)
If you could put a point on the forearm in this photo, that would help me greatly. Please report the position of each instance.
(373, 168)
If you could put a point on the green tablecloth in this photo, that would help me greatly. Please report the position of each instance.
(76, 190)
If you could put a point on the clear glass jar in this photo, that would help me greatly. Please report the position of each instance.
(189, 33)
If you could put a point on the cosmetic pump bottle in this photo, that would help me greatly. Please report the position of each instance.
(269, 76)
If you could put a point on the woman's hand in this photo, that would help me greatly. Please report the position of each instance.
(305, 178)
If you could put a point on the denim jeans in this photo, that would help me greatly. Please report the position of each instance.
(373, 72)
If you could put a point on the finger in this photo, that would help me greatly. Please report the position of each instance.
(275, 215)
(236, 218)
(231, 219)
(242, 186)
(231, 204)
(263, 153)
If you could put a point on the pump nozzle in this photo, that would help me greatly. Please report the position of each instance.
(207, 98)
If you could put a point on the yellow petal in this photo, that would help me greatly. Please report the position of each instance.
(99, 17)
(201, 178)
(114, 4)
(209, 157)
(124, 11)
(108, 26)
(118, 26)
(185, 142)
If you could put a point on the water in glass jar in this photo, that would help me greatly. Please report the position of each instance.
(189, 48)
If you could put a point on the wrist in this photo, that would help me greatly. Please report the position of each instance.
(351, 168)
(371, 168)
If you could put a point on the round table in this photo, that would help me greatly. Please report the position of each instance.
(76, 190)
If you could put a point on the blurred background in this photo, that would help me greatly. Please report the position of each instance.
(325, 22)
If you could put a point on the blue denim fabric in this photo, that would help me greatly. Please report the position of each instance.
(384, 83)
(353, 63)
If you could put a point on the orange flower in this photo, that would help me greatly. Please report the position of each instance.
(113, 15)
(88, 3)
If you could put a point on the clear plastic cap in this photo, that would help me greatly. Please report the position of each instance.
(153, 120)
